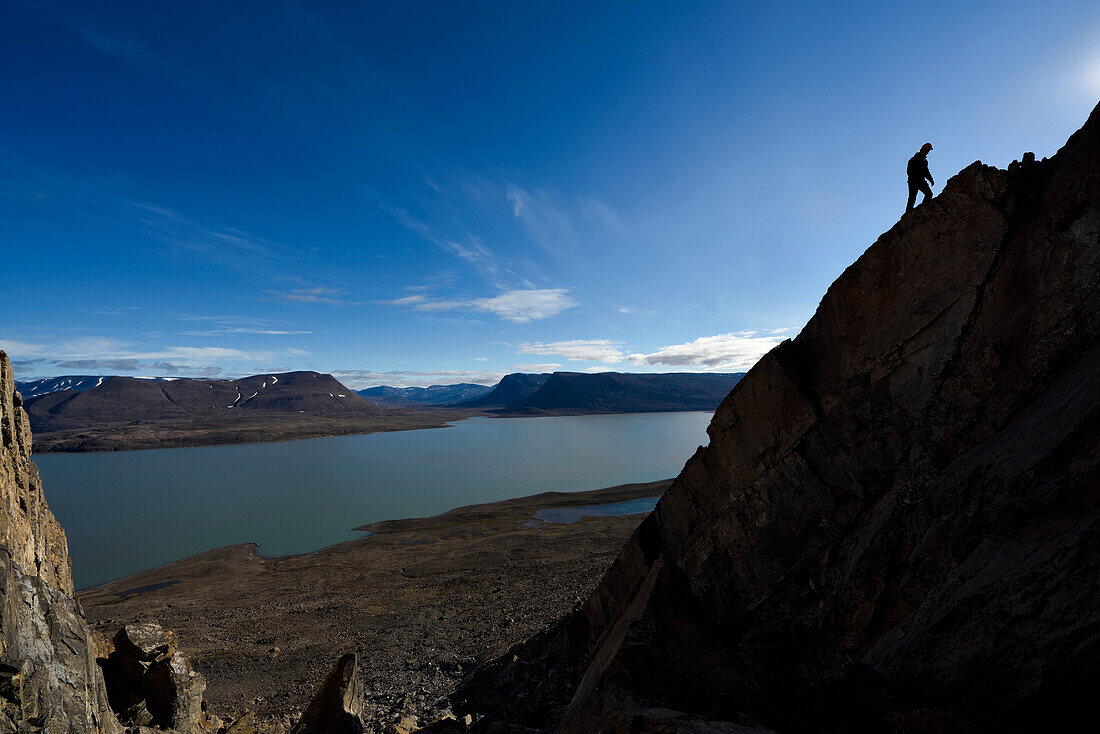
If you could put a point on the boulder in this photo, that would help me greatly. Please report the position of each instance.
(337, 707)
(150, 682)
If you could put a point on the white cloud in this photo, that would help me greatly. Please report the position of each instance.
(736, 351)
(519, 306)
(577, 350)
(527, 305)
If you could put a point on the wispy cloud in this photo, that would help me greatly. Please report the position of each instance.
(556, 224)
(230, 325)
(722, 352)
(115, 310)
(315, 294)
(100, 365)
(104, 354)
(518, 306)
(99, 198)
(404, 301)
(469, 248)
(600, 214)
(578, 350)
(128, 49)
(226, 244)
(543, 217)
(243, 330)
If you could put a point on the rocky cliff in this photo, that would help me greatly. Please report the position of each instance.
(49, 680)
(896, 525)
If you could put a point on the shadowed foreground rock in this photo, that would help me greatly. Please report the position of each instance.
(338, 705)
(895, 525)
(150, 683)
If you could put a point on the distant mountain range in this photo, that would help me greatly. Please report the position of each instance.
(104, 412)
(571, 392)
(434, 395)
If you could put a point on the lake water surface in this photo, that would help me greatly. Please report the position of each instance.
(128, 511)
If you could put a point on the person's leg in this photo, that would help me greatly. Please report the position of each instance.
(912, 196)
(925, 190)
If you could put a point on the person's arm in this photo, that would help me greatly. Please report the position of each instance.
(928, 174)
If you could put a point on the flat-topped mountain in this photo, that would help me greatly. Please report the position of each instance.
(511, 391)
(894, 527)
(605, 392)
(618, 392)
(127, 399)
(433, 395)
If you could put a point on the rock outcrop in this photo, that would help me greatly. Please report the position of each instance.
(49, 680)
(896, 525)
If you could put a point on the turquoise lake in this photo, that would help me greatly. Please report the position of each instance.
(128, 511)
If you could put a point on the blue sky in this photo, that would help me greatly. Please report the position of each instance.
(414, 193)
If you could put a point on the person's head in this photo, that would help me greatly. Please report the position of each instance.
(925, 148)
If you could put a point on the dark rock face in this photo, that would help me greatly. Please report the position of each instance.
(896, 525)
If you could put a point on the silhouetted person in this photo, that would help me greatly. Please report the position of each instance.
(918, 172)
